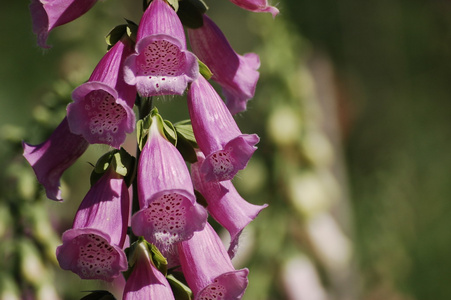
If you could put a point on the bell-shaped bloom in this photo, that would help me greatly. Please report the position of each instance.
(145, 281)
(227, 150)
(48, 14)
(162, 65)
(236, 74)
(225, 204)
(93, 248)
(51, 158)
(256, 6)
(208, 268)
(168, 210)
(102, 110)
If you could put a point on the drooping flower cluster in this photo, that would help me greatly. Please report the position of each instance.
(171, 221)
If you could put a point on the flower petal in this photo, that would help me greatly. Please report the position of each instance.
(89, 253)
(145, 281)
(47, 15)
(236, 74)
(219, 138)
(169, 212)
(160, 67)
(102, 108)
(257, 6)
(225, 205)
(208, 269)
(51, 158)
(106, 207)
(160, 18)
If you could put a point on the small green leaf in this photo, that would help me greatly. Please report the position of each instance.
(140, 134)
(180, 290)
(142, 129)
(185, 129)
(158, 259)
(142, 247)
(170, 132)
(190, 12)
(186, 149)
(120, 160)
(104, 161)
(124, 165)
(132, 29)
(115, 35)
(118, 166)
(204, 70)
(174, 4)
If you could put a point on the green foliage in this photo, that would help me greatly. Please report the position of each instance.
(190, 12)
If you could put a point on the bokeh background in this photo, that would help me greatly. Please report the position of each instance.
(354, 111)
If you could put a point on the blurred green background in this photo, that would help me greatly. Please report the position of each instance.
(354, 111)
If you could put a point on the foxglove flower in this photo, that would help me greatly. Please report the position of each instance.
(256, 6)
(225, 205)
(209, 270)
(227, 150)
(168, 209)
(51, 158)
(236, 74)
(102, 108)
(162, 65)
(93, 247)
(48, 14)
(145, 281)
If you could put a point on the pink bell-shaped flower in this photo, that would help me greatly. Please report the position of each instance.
(93, 248)
(209, 270)
(51, 158)
(168, 212)
(48, 14)
(256, 6)
(236, 74)
(102, 110)
(145, 281)
(225, 205)
(162, 65)
(227, 150)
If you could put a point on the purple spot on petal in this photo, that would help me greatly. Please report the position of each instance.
(96, 256)
(168, 217)
(106, 114)
(221, 162)
(214, 291)
(161, 58)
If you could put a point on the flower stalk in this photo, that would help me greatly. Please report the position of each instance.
(158, 237)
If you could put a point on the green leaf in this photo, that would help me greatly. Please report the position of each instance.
(180, 290)
(185, 129)
(120, 160)
(158, 259)
(142, 247)
(132, 29)
(174, 4)
(124, 165)
(204, 70)
(118, 166)
(190, 12)
(186, 149)
(142, 129)
(170, 132)
(115, 35)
